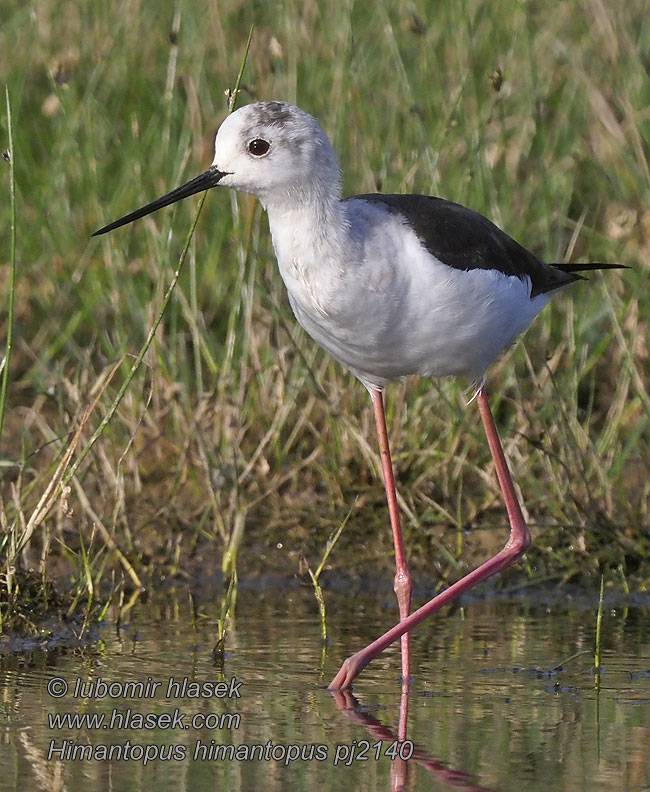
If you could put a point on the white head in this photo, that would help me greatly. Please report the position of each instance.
(273, 150)
(276, 151)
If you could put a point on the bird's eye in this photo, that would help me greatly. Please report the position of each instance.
(259, 147)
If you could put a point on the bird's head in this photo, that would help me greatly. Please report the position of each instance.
(275, 150)
(272, 150)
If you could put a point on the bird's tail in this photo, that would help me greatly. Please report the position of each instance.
(585, 266)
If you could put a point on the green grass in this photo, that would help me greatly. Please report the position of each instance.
(237, 425)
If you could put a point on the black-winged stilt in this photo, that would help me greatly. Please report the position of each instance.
(389, 285)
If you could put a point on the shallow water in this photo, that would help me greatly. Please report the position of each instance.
(504, 696)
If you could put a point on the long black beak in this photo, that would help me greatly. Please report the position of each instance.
(210, 178)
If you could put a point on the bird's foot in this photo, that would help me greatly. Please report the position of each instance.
(350, 670)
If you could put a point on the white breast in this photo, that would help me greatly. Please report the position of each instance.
(378, 302)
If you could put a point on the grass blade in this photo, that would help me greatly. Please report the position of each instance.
(12, 268)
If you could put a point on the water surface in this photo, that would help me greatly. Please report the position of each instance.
(503, 697)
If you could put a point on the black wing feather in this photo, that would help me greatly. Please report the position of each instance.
(464, 239)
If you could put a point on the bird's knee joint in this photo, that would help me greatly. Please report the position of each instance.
(402, 585)
(518, 545)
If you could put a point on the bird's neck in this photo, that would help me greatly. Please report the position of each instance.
(310, 237)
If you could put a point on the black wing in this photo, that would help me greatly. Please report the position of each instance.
(464, 239)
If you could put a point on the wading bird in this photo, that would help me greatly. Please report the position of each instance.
(389, 285)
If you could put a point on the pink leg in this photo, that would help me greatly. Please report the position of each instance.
(402, 574)
(514, 549)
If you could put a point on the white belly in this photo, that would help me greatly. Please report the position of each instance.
(459, 332)
(387, 308)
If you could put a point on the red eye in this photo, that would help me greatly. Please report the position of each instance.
(259, 147)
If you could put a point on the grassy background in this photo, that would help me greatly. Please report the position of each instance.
(238, 432)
